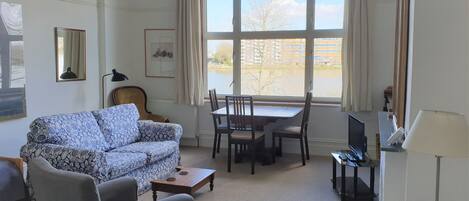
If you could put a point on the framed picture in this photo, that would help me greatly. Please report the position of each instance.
(160, 53)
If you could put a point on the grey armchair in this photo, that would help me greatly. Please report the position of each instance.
(50, 184)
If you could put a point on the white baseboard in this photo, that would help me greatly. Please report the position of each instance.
(317, 147)
(191, 142)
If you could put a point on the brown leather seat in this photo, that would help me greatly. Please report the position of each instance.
(136, 95)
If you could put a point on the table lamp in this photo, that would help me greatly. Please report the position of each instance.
(116, 77)
(442, 134)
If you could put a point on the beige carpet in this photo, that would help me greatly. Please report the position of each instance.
(286, 180)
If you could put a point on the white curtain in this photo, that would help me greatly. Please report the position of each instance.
(190, 73)
(74, 52)
(356, 95)
(11, 15)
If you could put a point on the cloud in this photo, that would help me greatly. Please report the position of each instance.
(291, 8)
(291, 14)
(329, 15)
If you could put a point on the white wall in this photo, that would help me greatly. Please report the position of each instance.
(44, 96)
(123, 22)
(117, 43)
(439, 81)
(329, 125)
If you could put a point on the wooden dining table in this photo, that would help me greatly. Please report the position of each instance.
(267, 112)
(264, 115)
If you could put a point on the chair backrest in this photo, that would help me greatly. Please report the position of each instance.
(240, 113)
(306, 111)
(131, 94)
(212, 93)
(50, 184)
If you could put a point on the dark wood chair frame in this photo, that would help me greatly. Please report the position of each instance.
(217, 122)
(114, 97)
(242, 119)
(302, 136)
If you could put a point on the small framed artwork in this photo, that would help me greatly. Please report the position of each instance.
(160, 53)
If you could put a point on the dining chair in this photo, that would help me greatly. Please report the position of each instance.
(295, 132)
(240, 120)
(219, 126)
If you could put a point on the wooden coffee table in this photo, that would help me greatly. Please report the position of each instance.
(195, 179)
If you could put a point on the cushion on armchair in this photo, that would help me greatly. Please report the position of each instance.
(118, 124)
(153, 150)
(77, 130)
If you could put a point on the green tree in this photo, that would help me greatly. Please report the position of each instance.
(224, 54)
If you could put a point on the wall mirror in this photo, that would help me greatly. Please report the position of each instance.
(70, 53)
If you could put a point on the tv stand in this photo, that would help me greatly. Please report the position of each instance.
(348, 156)
(352, 188)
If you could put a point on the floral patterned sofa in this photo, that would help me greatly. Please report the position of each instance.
(106, 144)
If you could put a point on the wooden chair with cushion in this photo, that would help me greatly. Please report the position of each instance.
(240, 114)
(296, 132)
(220, 126)
(136, 95)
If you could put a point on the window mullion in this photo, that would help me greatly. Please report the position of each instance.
(237, 47)
(309, 68)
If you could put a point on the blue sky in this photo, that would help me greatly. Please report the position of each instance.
(329, 13)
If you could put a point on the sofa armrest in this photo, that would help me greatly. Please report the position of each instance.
(121, 189)
(88, 162)
(153, 131)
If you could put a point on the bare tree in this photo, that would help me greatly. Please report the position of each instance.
(264, 15)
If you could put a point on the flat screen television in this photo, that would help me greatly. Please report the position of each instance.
(356, 137)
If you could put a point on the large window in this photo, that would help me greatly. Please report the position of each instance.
(275, 49)
(12, 71)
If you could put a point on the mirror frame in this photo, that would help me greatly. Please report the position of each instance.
(56, 39)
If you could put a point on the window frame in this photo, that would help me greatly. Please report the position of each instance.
(309, 34)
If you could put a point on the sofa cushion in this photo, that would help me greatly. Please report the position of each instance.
(154, 150)
(77, 130)
(122, 163)
(118, 124)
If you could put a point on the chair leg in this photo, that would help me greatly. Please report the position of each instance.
(219, 139)
(273, 148)
(280, 146)
(229, 154)
(236, 153)
(253, 157)
(307, 146)
(302, 151)
(214, 144)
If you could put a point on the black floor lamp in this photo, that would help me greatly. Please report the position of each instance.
(116, 77)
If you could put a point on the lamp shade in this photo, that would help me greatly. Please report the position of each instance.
(439, 133)
(118, 77)
(68, 74)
